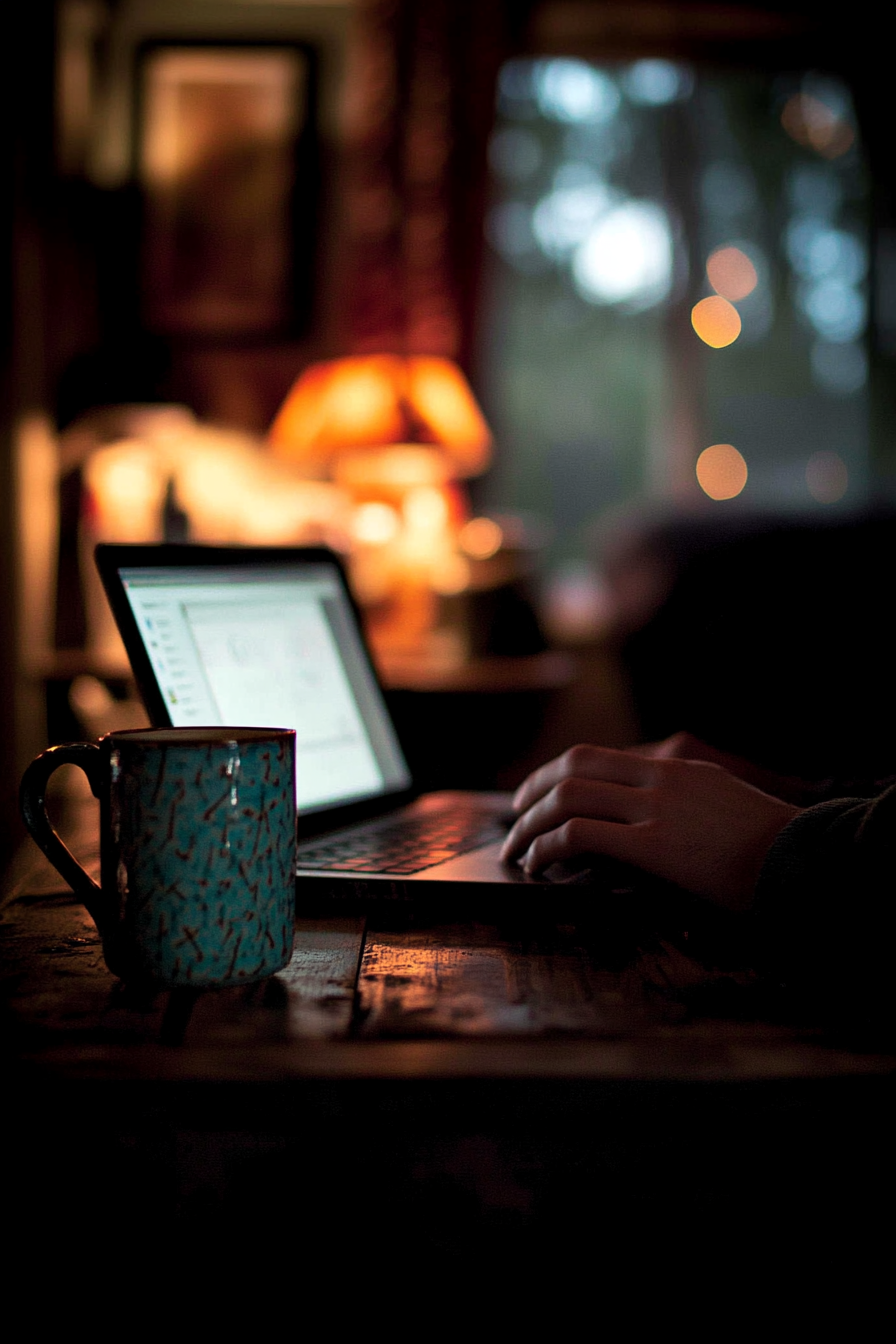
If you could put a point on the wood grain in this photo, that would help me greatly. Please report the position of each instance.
(311, 999)
(59, 992)
(481, 980)
(452, 1001)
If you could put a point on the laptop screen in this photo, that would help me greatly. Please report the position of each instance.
(271, 646)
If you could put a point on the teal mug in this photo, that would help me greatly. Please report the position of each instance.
(197, 850)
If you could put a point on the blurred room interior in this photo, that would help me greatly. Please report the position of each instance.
(570, 324)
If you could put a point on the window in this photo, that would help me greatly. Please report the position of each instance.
(676, 293)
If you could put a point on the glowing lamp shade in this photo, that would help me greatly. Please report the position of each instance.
(370, 404)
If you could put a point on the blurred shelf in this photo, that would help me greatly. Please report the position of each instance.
(549, 671)
(66, 664)
(552, 670)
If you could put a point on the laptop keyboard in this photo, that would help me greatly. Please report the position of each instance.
(406, 846)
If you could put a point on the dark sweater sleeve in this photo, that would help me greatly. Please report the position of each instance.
(825, 913)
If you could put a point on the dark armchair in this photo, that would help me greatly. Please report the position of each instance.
(770, 638)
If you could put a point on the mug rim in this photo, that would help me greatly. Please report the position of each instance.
(210, 735)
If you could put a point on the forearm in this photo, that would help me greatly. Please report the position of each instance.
(825, 912)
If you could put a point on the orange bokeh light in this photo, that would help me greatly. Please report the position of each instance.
(481, 538)
(721, 471)
(812, 123)
(716, 321)
(731, 273)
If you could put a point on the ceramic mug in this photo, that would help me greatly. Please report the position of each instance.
(197, 849)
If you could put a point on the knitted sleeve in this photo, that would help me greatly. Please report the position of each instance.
(825, 912)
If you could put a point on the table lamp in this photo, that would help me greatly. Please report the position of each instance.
(397, 434)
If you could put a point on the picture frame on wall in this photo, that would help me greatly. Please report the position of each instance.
(225, 163)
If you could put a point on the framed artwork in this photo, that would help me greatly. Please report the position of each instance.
(224, 160)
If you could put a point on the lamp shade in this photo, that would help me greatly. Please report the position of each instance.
(367, 403)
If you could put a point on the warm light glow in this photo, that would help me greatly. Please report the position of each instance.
(425, 540)
(451, 575)
(36, 476)
(366, 403)
(375, 524)
(390, 472)
(827, 477)
(273, 515)
(440, 396)
(721, 471)
(232, 491)
(349, 403)
(731, 273)
(126, 486)
(812, 123)
(716, 321)
(263, 115)
(394, 434)
(425, 509)
(481, 538)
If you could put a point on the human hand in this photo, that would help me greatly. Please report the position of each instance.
(688, 821)
(685, 747)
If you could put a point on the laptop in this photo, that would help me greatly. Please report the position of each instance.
(270, 637)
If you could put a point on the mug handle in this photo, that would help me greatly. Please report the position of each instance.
(32, 801)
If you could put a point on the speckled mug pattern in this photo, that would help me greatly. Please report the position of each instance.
(200, 858)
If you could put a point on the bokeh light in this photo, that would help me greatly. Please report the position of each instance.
(731, 273)
(812, 123)
(627, 257)
(425, 508)
(837, 311)
(375, 524)
(827, 477)
(721, 471)
(481, 538)
(716, 321)
(655, 83)
(572, 91)
(817, 250)
(450, 575)
(563, 219)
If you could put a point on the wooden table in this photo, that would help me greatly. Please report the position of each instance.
(557, 1091)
